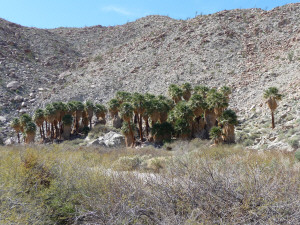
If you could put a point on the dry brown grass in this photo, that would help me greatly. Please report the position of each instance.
(192, 185)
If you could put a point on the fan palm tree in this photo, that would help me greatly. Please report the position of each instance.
(100, 112)
(226, 91)
(127, 129)
(67, 126)
(15, 124)
(198, 106)
(30, 129)
(50, 116)
(58, 107)
(216, 104)
(183, 118)
(85, 118)
(24, 119)
(123, 96)
(39, 119)
(162, 132)
(113, 107)
(79, 108)
(153, 110)
(175, 93)
(272, 95)
(138, 103)
(216, 135)
(182, 128)
(89, 107)
(187, 91)
(126, 112)
(228, 120)
(201, 90)
(217, 101)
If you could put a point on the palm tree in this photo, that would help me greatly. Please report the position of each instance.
(198, 106)
(126, 112)
(30, 129)
(85, 119)
(187, 91)
(272, 95)
(217, 101)
(15, 124)
(50, 116)
(79, 108)
(113, 107)
(201, 90)
(67, 126)
(182, 128)
(163, 106)
(123, 96)
(182, 116)
(153, 110)
(89, 107)
(216, 104)
(162, 132)
(183, 110)
(216, 135)
(127, 129)
(24, 119)
(58, 107)
(175, 93)
(226, 91)
(100, 112)
(138, 103)
(39, 119)
(228, 120)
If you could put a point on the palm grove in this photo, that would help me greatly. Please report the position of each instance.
(198, 112)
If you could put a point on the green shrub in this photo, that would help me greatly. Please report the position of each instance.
(294, 142)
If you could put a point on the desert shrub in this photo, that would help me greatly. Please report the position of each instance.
(157, 163)
(297, 155)
(222, 185)
(294, 142)
(128, 163)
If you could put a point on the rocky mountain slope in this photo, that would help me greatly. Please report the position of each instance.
(249, 50)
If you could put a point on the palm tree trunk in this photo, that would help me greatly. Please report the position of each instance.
(141, 127)
(132, 136)
(52, 131)
(41, 133)
(46, 128)
(18, 137)
(273, 121)
(147, 127)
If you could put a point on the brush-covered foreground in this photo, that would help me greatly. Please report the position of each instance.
(192, 184)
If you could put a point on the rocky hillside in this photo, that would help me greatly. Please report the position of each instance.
(248, 50)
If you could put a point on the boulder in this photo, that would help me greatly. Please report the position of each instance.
(111, 139)
(18, 98)
(9, 141)
(14, 85)
(2, 119)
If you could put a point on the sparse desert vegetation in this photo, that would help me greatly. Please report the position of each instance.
(192, 184)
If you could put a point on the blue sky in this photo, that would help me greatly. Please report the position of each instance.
(80, 13)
